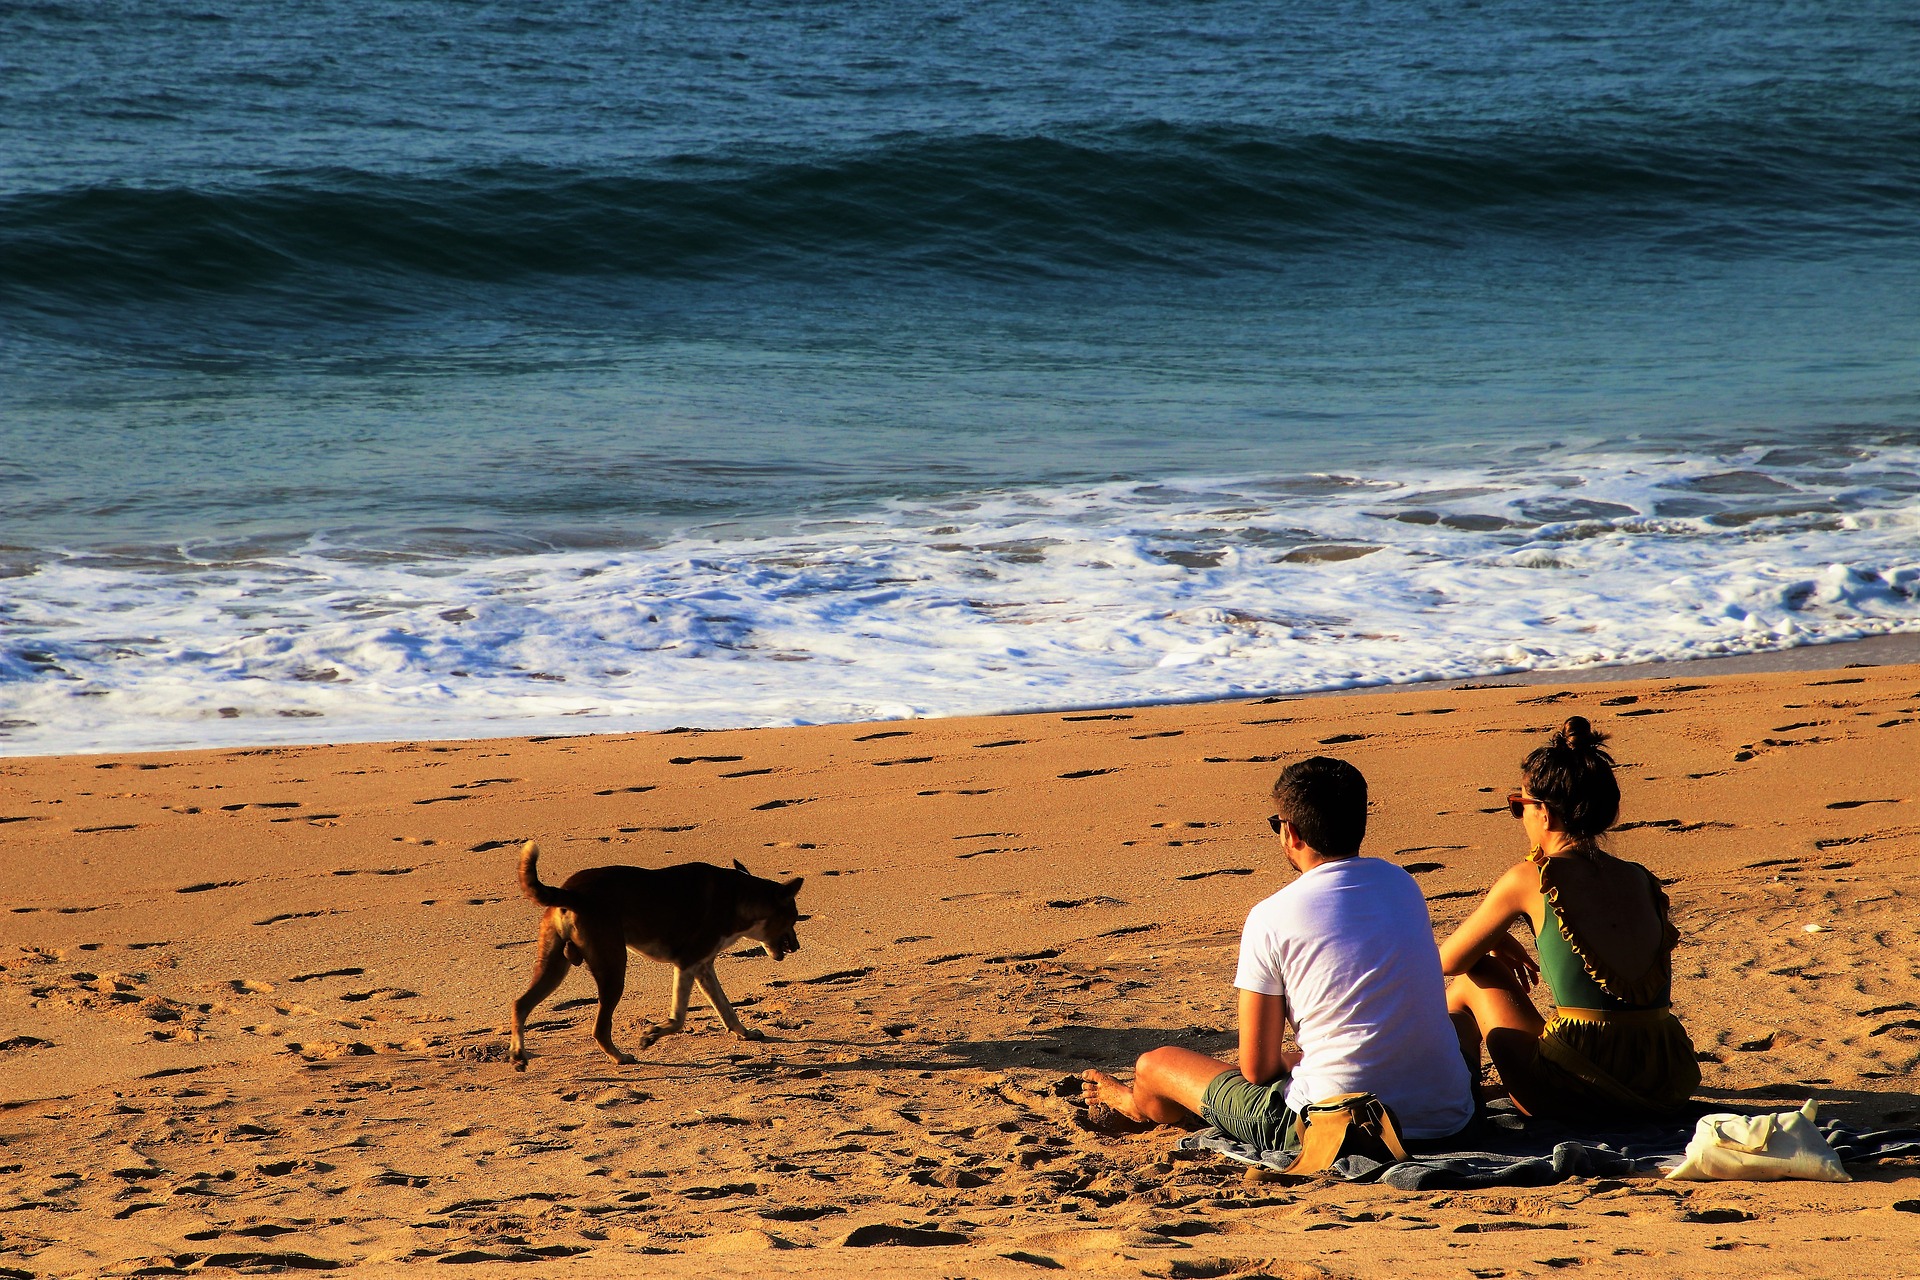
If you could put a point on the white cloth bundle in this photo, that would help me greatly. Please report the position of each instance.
(1765, 1148)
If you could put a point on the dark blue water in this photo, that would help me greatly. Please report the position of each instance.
(468, 280)
(573, 270)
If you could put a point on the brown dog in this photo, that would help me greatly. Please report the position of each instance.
(684, 915)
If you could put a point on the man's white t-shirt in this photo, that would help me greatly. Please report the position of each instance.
(1350, 946)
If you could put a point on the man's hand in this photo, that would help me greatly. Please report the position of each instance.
(1512, 955)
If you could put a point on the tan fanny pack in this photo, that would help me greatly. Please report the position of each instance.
(1346, 1125)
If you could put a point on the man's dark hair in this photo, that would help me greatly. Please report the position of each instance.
(1325, 802)
(1573, 775)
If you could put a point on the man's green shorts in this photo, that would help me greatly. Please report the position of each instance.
(1253, 1113)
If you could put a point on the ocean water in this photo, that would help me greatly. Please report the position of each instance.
(374, 369)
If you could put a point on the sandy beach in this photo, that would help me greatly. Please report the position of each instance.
(253, 1002)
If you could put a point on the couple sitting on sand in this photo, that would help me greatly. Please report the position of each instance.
(1345, 953)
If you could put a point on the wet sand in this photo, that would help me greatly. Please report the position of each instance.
(252, 1003)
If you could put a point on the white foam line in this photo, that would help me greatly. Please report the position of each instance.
(1101, 595)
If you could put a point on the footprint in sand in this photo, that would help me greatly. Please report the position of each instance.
(1855, 804)
(293, 915)
(118, 826)
(1275, 720)
(885, 733)
(260, 804)
(1164, 733)
(1098, 900)
(1421, 868)
(370, 871)
(749, 773)
(1338, 738)
(204, 886)
(1088, 773)
(981, 853)
(442, 799)
(976, 791)
(615, 791)
(782, 804)
(1240, 759)
(1106, 715)
(705, 759)
(882, 764)
(978, 746)
(327, 973)
(1223, 871)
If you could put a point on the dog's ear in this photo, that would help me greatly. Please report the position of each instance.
(792, 886)
(741, 867)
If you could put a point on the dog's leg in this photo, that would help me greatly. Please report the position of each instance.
(606, 958)
(676, 1010)
(710, 984)
(549, 968)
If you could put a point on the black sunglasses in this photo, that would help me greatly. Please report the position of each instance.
(1277, 822)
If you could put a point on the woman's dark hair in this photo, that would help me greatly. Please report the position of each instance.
(1325, 801)
(1573, 775)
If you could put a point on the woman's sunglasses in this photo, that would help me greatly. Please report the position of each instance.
(1517, 803)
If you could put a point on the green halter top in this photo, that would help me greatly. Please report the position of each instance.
(1576, 981)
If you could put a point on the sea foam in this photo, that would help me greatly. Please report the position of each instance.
(992, 601)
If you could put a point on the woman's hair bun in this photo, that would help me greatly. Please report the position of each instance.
(1578, 735)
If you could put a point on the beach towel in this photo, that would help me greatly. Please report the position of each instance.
(1507, 1149)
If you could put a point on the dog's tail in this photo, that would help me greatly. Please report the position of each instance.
(544, 894)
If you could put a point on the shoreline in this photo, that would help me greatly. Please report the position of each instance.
(1880, 650)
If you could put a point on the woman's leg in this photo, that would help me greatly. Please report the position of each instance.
(1487, 1005)
(1168, 1084)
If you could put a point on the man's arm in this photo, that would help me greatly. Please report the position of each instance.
(1263, 1028)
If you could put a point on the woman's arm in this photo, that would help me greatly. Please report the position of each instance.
(1515, 894)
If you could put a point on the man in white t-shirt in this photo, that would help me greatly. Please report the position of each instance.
(1346, 954)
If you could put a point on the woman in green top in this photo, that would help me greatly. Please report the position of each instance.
(1613, 1049)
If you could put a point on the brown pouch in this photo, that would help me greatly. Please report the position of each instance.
(1349, 1124)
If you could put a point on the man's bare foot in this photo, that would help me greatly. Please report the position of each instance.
(1098, 1086)
(1110, 1106)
